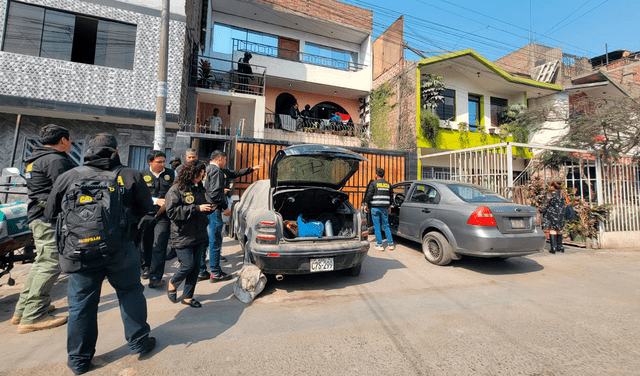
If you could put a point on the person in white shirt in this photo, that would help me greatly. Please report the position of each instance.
(215, 122)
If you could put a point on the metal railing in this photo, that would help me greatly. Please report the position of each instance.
(303, 57)
(223, 74)
(312, 125)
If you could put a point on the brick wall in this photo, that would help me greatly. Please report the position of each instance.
(388, 48)
(331, 10)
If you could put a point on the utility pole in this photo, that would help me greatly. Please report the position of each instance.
(161, 100)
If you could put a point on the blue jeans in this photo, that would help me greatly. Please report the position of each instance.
(378, 215)
(83, 299)
(214, 230)
(189, 258)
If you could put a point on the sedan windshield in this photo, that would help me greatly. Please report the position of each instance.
(471, 193)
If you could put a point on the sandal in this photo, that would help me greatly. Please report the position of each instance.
(173, 295)
(192, 303)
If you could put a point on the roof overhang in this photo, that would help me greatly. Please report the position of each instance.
(597, 84)
(486, 74)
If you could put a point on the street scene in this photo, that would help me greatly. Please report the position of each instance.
(319, 187)
(573, 314)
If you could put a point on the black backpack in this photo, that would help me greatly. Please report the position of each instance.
(93, 222)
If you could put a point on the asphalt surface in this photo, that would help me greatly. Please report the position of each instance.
(566, 314)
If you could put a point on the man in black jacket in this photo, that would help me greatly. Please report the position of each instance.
(121, 267)
(44, 166)
(377, 199)
(217, 184)
(155, 231)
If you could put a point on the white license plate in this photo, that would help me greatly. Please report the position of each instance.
(321, 264)
(517, 223)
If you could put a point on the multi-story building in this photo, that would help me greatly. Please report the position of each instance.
(309, 52)
(91, 66)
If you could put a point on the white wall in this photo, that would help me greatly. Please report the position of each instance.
(175, 6)
(556, 127)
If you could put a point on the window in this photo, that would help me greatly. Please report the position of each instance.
(446, 109)
(499, 109)
(225, 36)
(36, 31)
(439, 173)
(475, 111)
(329, 57)
(470, 193)
(425, 194)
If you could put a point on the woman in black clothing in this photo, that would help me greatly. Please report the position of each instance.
(553, 216)
(187, 209)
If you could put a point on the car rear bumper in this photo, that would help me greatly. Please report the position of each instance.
(490, 242)
(295, 258)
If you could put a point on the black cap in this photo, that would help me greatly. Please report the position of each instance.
(175, 159)
(380, 172)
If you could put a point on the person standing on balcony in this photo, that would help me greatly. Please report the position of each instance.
(295, 115)
(377, 199)
(245, 72)
(306, 114)
(215, 122)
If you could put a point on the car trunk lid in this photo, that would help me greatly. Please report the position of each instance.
(512, 218)
(313, 165)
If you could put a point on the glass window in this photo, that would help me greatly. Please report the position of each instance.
(36, 31)
(23, 31)
(115, 45)
(424, 194)
(474, 111)
(446, 109)
(499, 109)
(247, 40)
(472, 193)
(328, 57)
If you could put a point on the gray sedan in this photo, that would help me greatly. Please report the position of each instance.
(452, 219)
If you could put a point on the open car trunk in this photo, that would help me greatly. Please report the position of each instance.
(317, 205)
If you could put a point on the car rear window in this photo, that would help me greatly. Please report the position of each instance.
(314, 169)
(471, 193)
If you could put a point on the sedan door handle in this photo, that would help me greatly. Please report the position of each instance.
(426, 211)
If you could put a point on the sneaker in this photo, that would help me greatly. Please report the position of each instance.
(391, 247)
(378, 247)
(47, 322)
(204, 276)
(15, 320)
(223, 259)
(155, 283)
(220, 277)
(145, 273)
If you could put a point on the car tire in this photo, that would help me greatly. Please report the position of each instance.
(353, 271)
(436, 248)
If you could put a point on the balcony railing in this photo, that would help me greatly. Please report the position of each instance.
(221, 74)
(313, 125)
(303, 57)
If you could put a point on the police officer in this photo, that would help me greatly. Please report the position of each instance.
(378, 199)
(155, 228)
(121, 268)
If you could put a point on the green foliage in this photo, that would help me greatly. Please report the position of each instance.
(430, 126)
(463, 134)
(380, 108)
(483, 134)
(431, 88)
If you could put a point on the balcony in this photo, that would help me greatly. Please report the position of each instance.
(311, 130)
(223, 75)
(303, 57)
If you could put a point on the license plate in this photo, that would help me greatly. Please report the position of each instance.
(321, 264)
(517, 223)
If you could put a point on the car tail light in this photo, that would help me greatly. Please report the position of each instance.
(364, 235)
(482, 216)
(267, 223)
(273, 255)
(266, 232)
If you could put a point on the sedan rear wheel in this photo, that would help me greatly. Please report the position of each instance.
(436, 248)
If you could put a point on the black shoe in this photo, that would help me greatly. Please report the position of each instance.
(192, 303)
(80, 369)
(173, 295)
(145, 273)
(149, 345)
(154, 283)
(220, 277)
(204, 276)
(222, 258)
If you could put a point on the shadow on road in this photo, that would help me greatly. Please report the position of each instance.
(498, 266)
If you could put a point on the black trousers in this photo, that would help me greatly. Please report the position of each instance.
(189, 258)
(155, 237)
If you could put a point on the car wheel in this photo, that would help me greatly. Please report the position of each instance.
(436, 248)
(354, 271)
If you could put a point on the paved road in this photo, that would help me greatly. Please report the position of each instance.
(570, 314)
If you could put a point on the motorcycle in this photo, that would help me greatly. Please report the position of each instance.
(16, 240)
